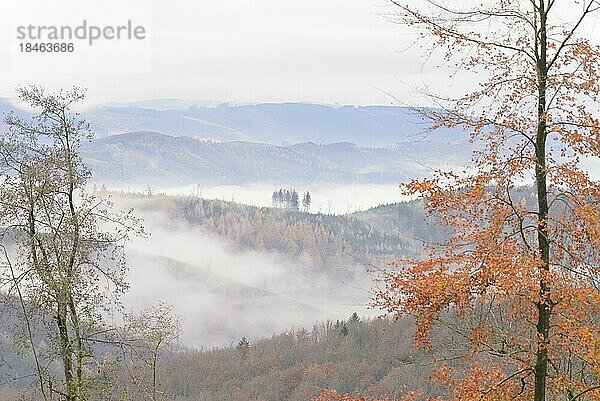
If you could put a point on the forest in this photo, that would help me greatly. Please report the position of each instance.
(487, 282)
(374, 357)
(325, 241)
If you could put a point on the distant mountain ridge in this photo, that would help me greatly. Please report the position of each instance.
(274, 123)
(271, 142)
(156, 159)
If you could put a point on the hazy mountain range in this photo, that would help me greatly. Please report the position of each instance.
(275, 123)
(170, 142)
(158, 159)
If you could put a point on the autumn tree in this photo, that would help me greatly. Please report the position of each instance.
(518, 278)
(67, 245)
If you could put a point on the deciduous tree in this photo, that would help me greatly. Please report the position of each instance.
(146, 335)
(69, 263)
(518, 279)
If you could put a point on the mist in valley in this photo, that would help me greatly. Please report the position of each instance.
(224, 294)
(326, 198)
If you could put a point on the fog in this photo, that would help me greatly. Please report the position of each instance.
(223, 295)
(334, 199)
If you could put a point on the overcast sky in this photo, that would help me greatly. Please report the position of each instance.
(331, 51)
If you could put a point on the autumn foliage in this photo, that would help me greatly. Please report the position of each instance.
(332, 395)
(517, 282)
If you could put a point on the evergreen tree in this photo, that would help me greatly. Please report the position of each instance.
(354, 318)
(306, 202)
(286, 198)
(294, 200)
(243, 347)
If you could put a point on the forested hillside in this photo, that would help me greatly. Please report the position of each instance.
(375, 357)
(376, 236)
(153, 158)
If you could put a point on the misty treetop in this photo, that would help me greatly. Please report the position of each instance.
(289, 199)
(320, 241)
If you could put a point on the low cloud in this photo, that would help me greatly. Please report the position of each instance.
(224, 294)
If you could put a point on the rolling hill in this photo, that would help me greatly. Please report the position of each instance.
(157, 159)
(274, 123)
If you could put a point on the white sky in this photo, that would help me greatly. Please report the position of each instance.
(330, 51)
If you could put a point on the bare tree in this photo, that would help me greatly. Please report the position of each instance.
(69, 261)
(146, 335)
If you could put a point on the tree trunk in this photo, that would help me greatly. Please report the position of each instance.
(543, 304)
(66, 353)
(79, 351)
(154, 364)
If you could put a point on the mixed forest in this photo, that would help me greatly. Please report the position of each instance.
(489, 280)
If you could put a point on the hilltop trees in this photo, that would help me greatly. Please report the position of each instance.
(63, 246)
(518, 278)
(290, 200)
(285, 199)
(306, 199)
(243, 347)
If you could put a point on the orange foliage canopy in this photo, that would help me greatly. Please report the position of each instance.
(332, 395)
(517, 282)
